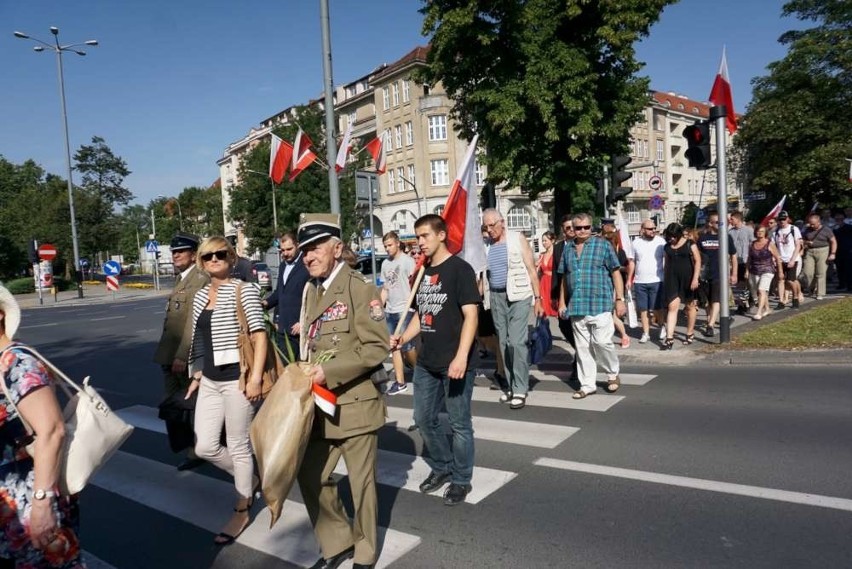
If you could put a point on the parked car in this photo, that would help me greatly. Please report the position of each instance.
(262, 275)
(365, 266)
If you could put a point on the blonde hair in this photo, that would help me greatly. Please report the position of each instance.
(213, 244)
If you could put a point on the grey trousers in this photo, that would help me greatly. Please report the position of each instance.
(511, 319)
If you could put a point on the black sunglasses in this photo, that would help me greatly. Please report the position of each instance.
(221, 255)
(582, 227)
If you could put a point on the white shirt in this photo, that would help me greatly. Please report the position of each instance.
(648, 256)
(185, 272)
(288, 268)
(785, 240)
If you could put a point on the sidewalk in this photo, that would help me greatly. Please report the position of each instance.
(93, 294)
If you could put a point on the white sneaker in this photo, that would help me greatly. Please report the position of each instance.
(663, 332)
(644, 339)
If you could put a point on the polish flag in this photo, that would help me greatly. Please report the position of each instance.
(303, 156)
(376, 148)
(343, 151)
(461, 213)
(721, 94)
(774, 213)
(280, 154)
(324, 399)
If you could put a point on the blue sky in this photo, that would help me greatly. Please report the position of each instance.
(173, 83)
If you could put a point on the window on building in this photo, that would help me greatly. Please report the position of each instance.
(386, 97)
(406, 90)
(659, 122)
(438, 210)
(480, 173)
(409, 133)
(397, 136)
(352, 117)
(401, 185)
(660, 153)
(391, 182)
(632, 213)
(395, 94)
(403, 222)
(350, 91)
(388, 141)
(440, 172)
(518, 219)
(410, 176)
(437, 127)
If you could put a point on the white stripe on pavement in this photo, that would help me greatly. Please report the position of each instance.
(541, 435)
(400, 470)
(205, 502)
(39, 325)
(553, 399)
(108, 318)
(626, 378)
(702, 484)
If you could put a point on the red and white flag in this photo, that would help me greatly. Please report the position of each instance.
(461, 213)
(324, 399)
(721, 94)
(343, 151)
(280, 154)
(376, 148)
(303, 156)
(774, 212)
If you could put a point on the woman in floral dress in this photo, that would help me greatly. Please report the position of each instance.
(38, 526)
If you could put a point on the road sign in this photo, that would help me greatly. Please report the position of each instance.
(655, 183)
(152, 246)
(46, 252)
(112, 268)
(84, 263)
(656, 202)
(755, 197)
(112, 283)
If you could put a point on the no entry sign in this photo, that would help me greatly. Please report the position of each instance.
(46, 252)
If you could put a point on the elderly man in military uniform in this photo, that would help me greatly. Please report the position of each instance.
(342, 314)
(173, 349)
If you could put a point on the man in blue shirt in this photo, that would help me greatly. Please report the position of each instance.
(589, 273)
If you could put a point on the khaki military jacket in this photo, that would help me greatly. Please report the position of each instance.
(177, 326)
(350, 320)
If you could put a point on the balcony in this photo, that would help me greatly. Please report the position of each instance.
(431, 102)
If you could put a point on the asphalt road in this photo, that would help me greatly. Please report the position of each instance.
(710, 466)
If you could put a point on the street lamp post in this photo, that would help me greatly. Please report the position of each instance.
(274, 207)
(416, 195)
(180, 213)
(58, 49)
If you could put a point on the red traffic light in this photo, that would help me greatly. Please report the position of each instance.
(694, 134)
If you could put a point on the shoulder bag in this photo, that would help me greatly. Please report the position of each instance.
(272, 367)
(92, 431)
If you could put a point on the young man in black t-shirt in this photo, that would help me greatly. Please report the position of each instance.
(446, 321)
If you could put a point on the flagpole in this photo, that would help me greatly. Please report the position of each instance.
(333, 188)
(274, 209)
(719, 114)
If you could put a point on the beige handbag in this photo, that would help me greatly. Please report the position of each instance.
(92, 431)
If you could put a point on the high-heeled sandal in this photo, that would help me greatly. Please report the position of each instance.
(688, 340)
(223, 538)
(668, 344)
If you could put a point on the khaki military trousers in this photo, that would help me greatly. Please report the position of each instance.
(333, 529)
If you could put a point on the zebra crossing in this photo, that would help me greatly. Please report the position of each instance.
(196, 499)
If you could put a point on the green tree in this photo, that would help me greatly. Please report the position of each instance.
(794, 137)
(549, 85)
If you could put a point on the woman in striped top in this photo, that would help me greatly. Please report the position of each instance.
(214, 364)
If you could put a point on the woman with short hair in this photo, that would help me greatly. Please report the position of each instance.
(764, 263)
(215, 368)
(682, 265)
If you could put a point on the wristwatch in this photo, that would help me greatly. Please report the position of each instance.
(42, 494)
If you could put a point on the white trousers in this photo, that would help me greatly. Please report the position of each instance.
(593, 337)
(222, 403)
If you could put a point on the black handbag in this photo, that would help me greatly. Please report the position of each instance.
(179, 415)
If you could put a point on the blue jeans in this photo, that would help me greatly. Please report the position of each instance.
(430, 388)
(393, 318)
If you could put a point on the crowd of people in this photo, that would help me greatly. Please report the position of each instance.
(430, 313)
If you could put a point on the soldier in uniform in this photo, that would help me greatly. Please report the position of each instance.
(343, 313)
(173, 349)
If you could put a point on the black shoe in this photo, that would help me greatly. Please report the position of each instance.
(189, 464)
(362, 566)
(780, 306)
(434, 481)
(456, 494)
(795, 303)
(336, 561)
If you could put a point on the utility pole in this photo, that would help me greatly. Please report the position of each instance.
(331, 152)
(719, 114)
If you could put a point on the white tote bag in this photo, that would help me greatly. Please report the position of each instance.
(92, 431)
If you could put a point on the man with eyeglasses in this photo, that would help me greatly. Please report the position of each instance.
(646, 274)
(286, 299)
(590, 275)
(709, 244)
(788, 241)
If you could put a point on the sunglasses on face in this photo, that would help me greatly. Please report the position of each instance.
(221, 255)
(582, 227)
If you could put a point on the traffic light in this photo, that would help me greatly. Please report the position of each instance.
(32, 250)
(698, 145)
(619, 175)
(600, 197)
(488, 198)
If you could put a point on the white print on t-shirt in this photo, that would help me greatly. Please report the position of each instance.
(430, 299)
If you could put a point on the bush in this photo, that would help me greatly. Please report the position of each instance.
(21, 286)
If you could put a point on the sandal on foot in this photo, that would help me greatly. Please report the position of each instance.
(612, 385)
(223, 538)
(518, 402)
(581, 394)
(668, 344)
(688, 340)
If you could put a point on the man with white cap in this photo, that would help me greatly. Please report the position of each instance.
(342, 314)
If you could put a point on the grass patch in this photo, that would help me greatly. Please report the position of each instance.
(828, 326)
